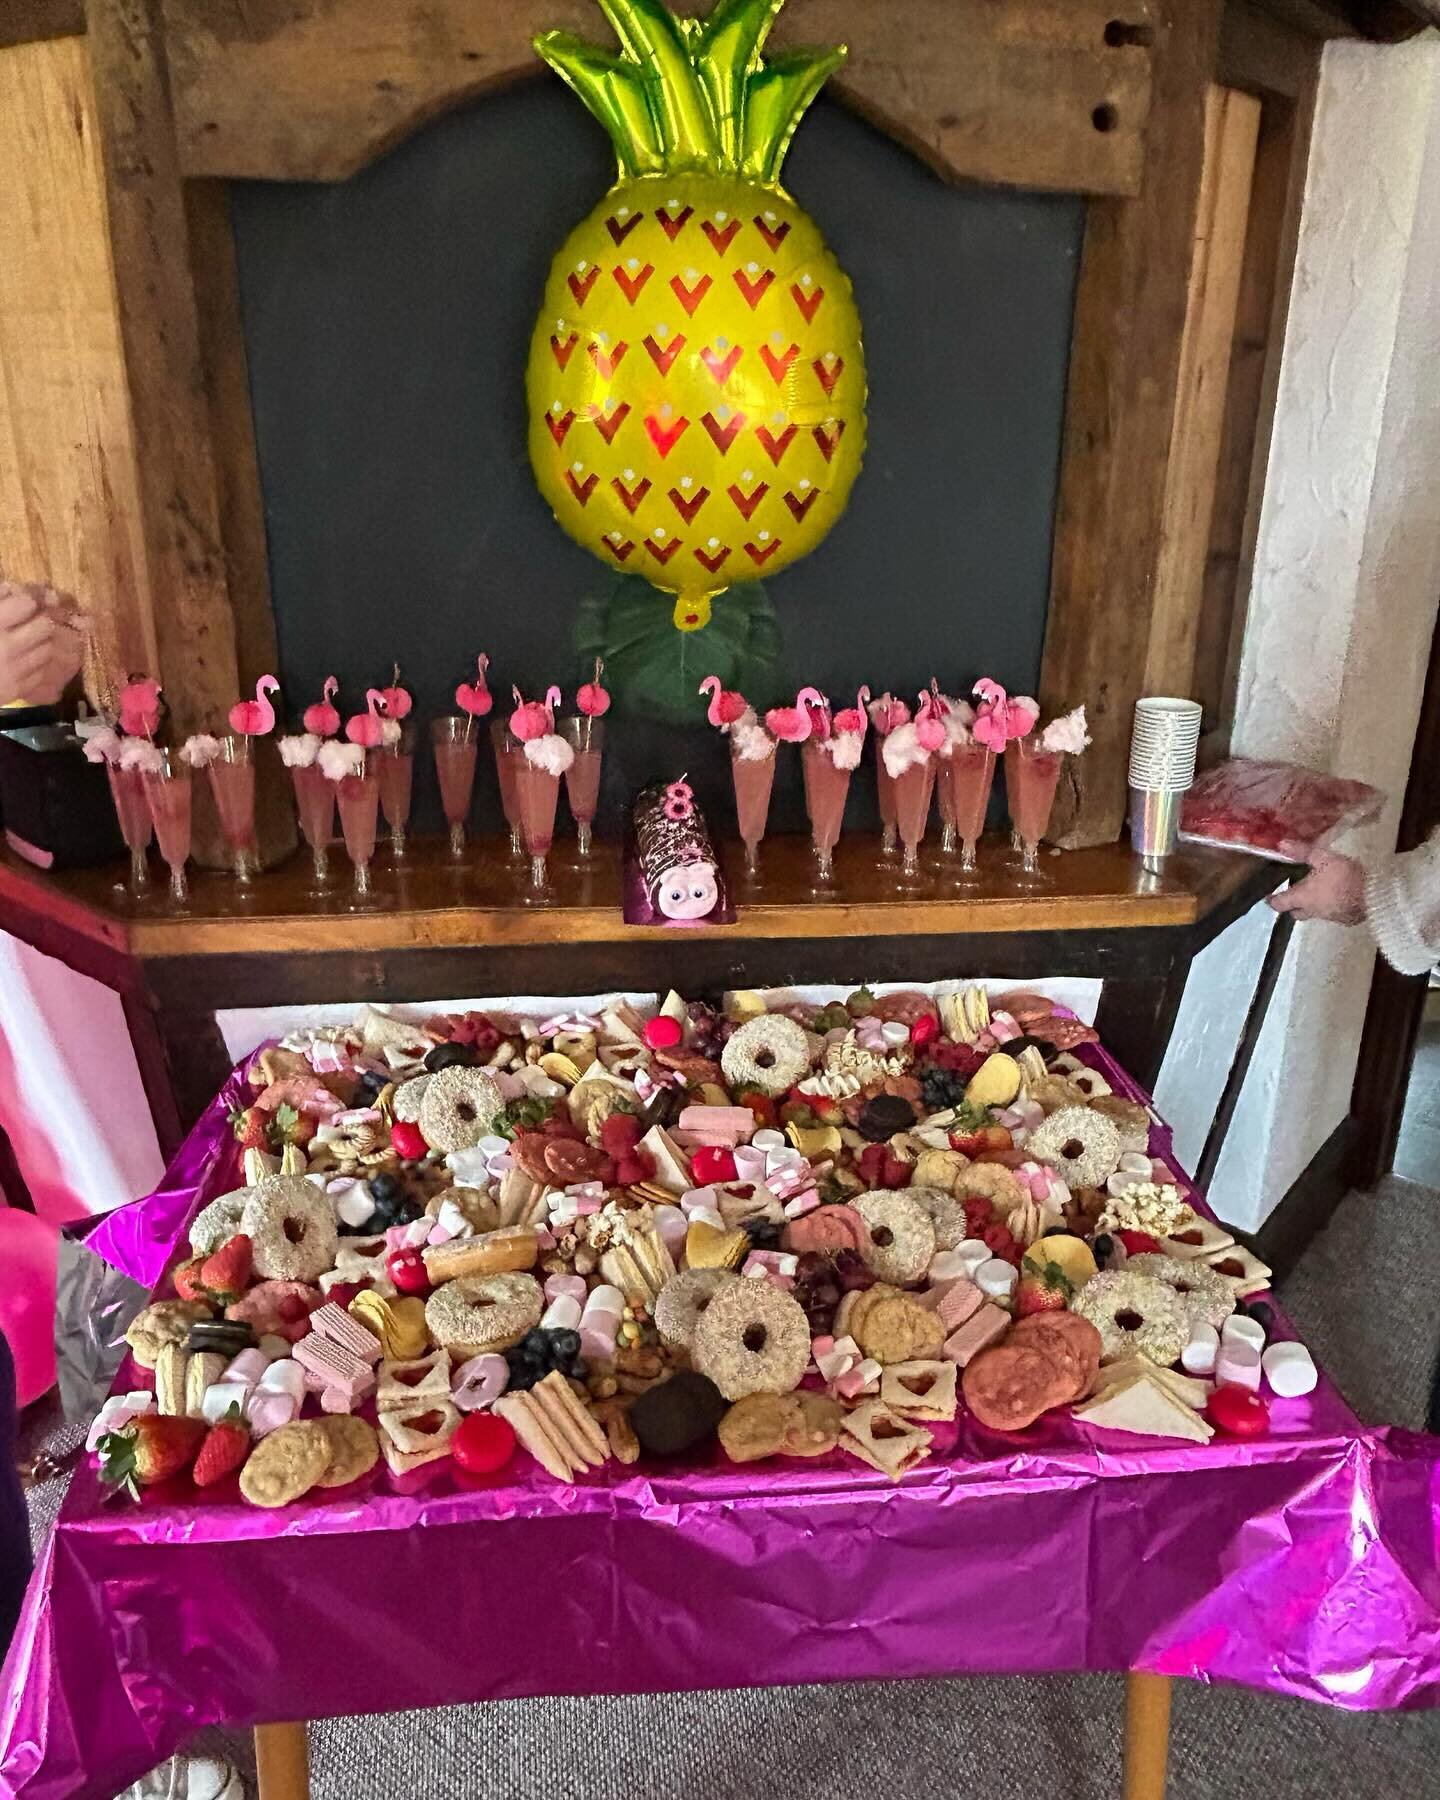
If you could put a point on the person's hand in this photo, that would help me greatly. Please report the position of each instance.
(41, 642)
(1333, 890)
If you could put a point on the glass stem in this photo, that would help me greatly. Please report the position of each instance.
(517, 848)
(824, 871)
(244, 866)
(752, 859)
(910, 863)
(537, 873)
(457, 840)
(179, 886)
(362, 881)
(321, 858)
(888, 839)
(139, 872)
(947, 839)
(1030, 859)
(583, 832)
(967, 857)
(397, 841)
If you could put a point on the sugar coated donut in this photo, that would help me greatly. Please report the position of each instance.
(291, 1226)
(458, 1108)
(1080, 1143)
(752, 1339)
(771, 1053)
(407, 1099)
(682, 1300)
(1136, 1315)
(218, 1222)
(902, 1238)
(1208, 1298)
(944, 1212)
(484, 1312)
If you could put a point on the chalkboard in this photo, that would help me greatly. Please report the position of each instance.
(387, 320)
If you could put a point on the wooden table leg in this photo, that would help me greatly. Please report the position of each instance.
(282, 1762)
(1147, 1736)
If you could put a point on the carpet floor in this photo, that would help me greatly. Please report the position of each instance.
(1372, 1316)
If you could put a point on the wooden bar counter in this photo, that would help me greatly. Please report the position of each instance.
(438, 929)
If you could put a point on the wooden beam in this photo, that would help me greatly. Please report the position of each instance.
(1030, 93)
(1232, 126)
(1119, 417)
(1260, 55)
(35, 21)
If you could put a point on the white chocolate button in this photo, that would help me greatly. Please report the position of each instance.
(1240, 1328)
(1237, 1365)
(1290, 1370)
(996, 1278)
(1198, 1356)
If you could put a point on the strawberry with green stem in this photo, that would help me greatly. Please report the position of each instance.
(223, 1451)
(1046, 1289)
(150, 1449)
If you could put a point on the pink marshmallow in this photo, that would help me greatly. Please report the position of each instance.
(556, 1285)
(269, 1411)
(801, 1204)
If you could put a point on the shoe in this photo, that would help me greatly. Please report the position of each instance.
(187, 1778)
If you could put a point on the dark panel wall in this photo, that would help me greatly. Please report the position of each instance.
(387, 321)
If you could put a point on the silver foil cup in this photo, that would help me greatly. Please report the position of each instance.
(1154, 823)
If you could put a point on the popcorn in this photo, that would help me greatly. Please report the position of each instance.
(1160, 1211)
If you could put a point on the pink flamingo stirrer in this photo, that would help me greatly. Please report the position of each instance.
(726, 704)
(793, 724)
(322, 718)
(140, 707)
(255, 718)
(474, 697)
(368, 728)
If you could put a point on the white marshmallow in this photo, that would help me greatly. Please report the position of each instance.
(1240, 1328)
(1198, 1356)
(562, 1314)
(1290, 1370)
(996, 1278)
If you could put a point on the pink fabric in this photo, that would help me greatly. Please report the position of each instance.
(1303, 1563)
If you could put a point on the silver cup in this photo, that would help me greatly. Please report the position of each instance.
(1154, 822)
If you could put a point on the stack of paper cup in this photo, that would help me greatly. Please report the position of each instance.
(1162, 768)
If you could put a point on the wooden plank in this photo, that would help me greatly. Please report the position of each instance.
(1261, 54)
(1124, 380)
(68, 505)
(1030, 93)
(1232, 125)
(35, 21)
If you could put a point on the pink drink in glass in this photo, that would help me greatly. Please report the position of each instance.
(315, 806)
(826, 787)
(396, 766)
(913, 789)
(169, 792)
(968, 775)
(358, 797)
(507, 749)
(232, 783)
(885, 793)
(537, 792)
(586, 737)
(132, 809)
(1031, 777)
(754, 777)
(456, 745)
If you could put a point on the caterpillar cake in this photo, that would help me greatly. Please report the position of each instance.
(849, 1230)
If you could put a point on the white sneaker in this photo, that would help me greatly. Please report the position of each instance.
(187, 1778)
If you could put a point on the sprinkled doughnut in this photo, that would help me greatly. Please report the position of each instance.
(291, 1226)
(1129, 1117)
(902, 1238)
(218, 1222)
(944, 1212)
(1136, 1315)
(682, 1300)
(770, 1052)
(752, 1339)
(1208, 1298)
(484, 1312)
(458, 1107)
(408, 1097)
(1081, 1144)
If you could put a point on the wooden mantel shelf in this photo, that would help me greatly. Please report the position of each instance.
(431, 903)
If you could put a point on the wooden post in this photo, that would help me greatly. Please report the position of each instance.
(1120, 410)
(282, 1762)
(1147, 1736)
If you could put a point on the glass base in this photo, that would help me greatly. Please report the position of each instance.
(909, 877)
(457, 841)
(397, 843)
(822, 877)
(538, 891)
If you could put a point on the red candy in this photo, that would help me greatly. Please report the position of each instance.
(483, 1443)
(662, 1032)
(1136, 1242)
(406, 1268)
(1238, 1412)
(712, 1163)
(924, 1031)
(407, 1141)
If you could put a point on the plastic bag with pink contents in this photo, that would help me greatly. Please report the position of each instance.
(1258, 806)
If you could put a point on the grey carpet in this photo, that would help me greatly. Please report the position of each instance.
(1366, 1298)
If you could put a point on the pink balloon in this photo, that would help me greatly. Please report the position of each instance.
(28, 1253)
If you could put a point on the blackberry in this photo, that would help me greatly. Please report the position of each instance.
(764, 1234)
(941, 1088)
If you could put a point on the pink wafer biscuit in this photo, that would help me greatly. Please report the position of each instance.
(332, 1364)
(956, 1302)
(330, 1322)
(981, 1329)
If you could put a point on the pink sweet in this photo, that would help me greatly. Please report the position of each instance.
(854, 718)
(474, 697)
(322, 718)
(999, 718)
(255, 718)
(480, 1381)
(268, 1411)
(592, 699)
(802, 1204)
(956, 1302)
(980, 1329)
(851, 1385)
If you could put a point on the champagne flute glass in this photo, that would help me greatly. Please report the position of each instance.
(315, 807)
(586, 737)
(969, 775)
(1032, 774)
(944, 855)
(455, 745)
(396, 766)
(537, 793)
(885, 793)
(232, 783)
(358, 797)
(754, 776)
(508, 751)
(169, 791)
(826, 788)
(127, 790)
(913, 789)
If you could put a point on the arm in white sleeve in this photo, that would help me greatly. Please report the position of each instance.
(1402, 904)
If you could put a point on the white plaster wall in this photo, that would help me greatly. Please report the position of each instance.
(1344, 599)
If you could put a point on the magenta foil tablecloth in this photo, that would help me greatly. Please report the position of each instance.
(1304, 1563)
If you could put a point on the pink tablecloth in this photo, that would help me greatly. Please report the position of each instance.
(1304, 1564)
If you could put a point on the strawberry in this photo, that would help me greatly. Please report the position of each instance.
(151, 1448)
(407, 1141)
(1048, 1289)
(225, 1447)
(188, 1285)
(620, 1132)
(760, 1104)
(225, 1272)
(292, 1127)
(251, 1128)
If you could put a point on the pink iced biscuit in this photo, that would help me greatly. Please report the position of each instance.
(269, 1411)
(479, 1382)
(330, 1322)
(801, 1204)
(862, 1377)
(980, 1329)
(556, 1285)
(956, 1302)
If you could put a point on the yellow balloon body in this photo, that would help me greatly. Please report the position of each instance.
(696, 385)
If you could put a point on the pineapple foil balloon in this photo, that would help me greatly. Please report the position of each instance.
(696, 385)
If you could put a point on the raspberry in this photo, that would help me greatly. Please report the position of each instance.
(998, 1239)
